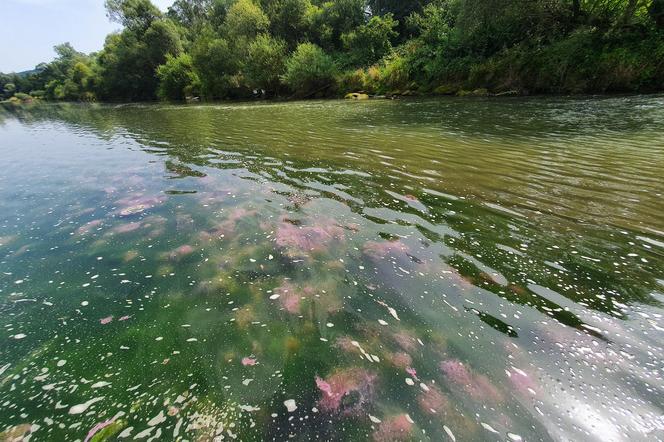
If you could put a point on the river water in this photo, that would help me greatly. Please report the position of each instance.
(453, 269)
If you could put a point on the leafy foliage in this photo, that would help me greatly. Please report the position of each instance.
(265, 63)
(309, 70)
(219, 49)
(177, 78)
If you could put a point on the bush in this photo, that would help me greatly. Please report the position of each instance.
(309, 70)
(177, 78)
(265, 63)
(370, 42)
(22, 96)
(353, 81)
(246, 19)
(391, 75)
(214, 63)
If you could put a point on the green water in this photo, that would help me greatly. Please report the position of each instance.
(388, 270)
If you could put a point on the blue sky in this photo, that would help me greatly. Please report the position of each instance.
(30, 29)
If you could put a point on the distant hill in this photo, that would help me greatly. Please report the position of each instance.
(27, 73)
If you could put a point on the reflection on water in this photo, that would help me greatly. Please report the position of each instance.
(386, 271)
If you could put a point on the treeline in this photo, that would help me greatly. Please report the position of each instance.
(234, 49)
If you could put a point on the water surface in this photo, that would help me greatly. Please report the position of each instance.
(458, 269)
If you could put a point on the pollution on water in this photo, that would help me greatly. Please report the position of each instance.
(415, 270)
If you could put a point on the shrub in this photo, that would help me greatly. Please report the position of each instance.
(309, 70)
(246, 19)
(266, 62)
(370, 42)
(22, 96)
(177, 78)
(393, 74)
(353, 81)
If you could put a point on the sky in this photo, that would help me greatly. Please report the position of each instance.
(30, 29)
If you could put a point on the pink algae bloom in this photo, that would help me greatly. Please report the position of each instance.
(87, 227)
(476, 386)
(128, 227)
(378, 250)
(291, 303)
(401, 360)
(522, 382)
(395, 429)
(456, 372)
(100, 426)
(433, 401)
(229, 225)
(301, 240)
(324, 386)
(239, 213)
(346, 391)
(345, 343)
(135, 205)
(249, 361)
(181, 252)
(405, 340)
(106, 320)
(289, 297)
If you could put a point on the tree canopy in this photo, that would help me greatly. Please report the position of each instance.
(224, 49)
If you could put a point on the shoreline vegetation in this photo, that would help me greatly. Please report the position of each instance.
(209, 50)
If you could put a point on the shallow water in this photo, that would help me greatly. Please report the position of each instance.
(388, 270)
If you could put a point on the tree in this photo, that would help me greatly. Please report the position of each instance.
(215, 65)
(290, 19)
(370, 42)
(309, 70)
(129, 60)
(656, 12)
(9, 89)
(191, 14)
(265, 63)
(335, 18)
(245, 19)
(79, 83)
(177, 78)
(161, 39)
(399, 9)
(136, 15)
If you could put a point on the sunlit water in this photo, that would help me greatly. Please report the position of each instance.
(391, 271)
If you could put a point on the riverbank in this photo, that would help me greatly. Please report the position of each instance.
(444, 48)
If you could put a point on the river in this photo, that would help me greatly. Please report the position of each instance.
(425, 269)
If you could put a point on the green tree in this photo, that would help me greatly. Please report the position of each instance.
(656, 12)
(215, 65)
(309, 70)
(245, 19)
(177, 78)
(265, 63)
(136, 15)
(370, 42)
(399, 9)
(9, 89)
(129, 60)
(290, 19)
(191, 14)
(161, 39)
(332, 19)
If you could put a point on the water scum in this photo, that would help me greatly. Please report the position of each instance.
(269, 306)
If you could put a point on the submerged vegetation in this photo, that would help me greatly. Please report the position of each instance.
(400, 271)
(234, 49)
